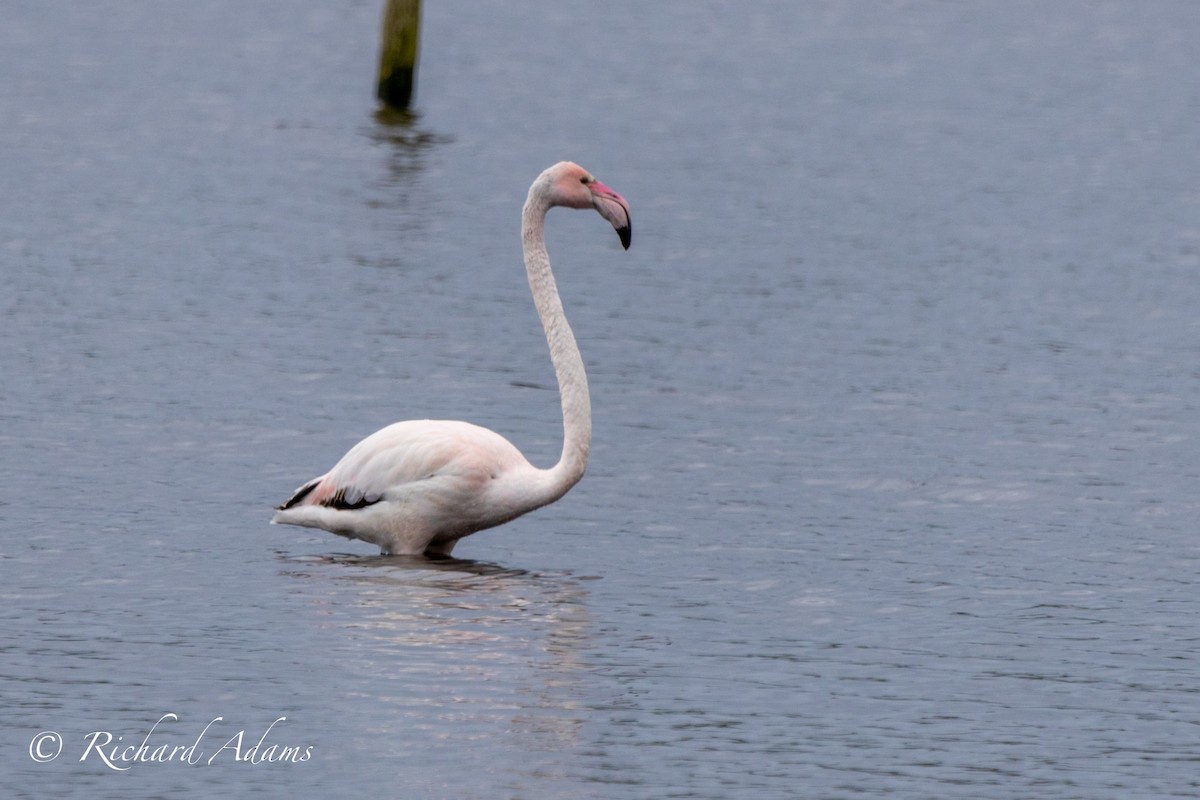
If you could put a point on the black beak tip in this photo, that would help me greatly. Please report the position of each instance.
(626, 235)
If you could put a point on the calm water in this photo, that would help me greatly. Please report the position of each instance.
(894, 483)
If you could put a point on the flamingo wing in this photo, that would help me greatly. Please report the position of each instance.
(388, 463)
(347, 498)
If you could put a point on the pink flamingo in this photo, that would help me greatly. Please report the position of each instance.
(417, 487)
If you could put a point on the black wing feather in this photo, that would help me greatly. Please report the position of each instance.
(300, 494)
(350, 498)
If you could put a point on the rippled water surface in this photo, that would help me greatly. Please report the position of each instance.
(897, 401)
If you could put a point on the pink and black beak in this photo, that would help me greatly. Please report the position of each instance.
(614, 209)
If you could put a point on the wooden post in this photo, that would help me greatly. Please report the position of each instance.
(398, 54)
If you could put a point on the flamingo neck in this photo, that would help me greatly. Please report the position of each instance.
(564, 354)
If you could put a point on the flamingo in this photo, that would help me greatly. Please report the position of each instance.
(418, 487)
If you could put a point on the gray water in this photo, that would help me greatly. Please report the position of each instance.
(897, 401)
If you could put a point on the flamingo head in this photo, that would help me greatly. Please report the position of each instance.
(568, 184)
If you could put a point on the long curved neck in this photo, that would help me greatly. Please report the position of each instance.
(564, 354)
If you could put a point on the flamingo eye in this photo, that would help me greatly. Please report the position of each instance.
(586, 179)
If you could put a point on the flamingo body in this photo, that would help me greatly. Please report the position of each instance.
(417, 487)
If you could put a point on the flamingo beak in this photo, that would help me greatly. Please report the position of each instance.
(614, 209)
